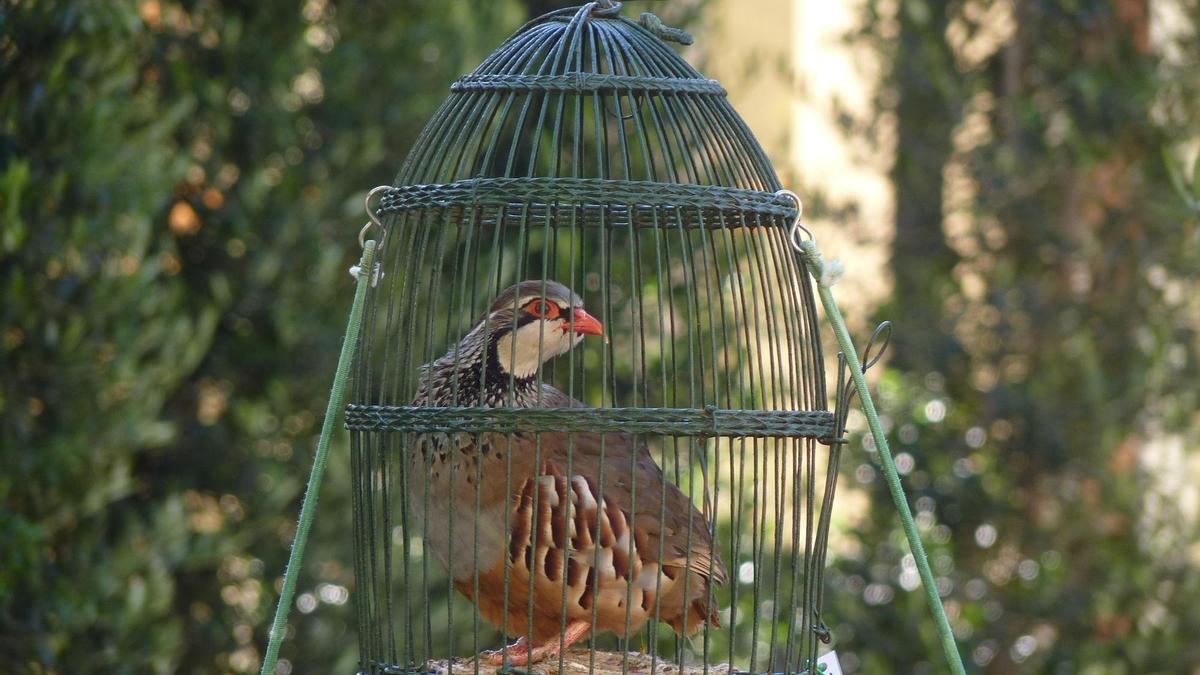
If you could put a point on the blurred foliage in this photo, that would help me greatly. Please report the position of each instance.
(1042, 386)
(182, 185)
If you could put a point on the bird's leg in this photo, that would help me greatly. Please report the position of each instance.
(559, 643)
(517, 652)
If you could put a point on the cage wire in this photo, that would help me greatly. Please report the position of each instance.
(585, 151)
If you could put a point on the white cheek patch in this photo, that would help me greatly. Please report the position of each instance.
(523, 360)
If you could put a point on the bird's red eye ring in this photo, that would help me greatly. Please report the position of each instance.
(543, 309)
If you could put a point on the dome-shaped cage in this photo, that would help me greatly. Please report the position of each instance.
(585, 151)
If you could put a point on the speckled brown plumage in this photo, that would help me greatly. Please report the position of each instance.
(543, 515)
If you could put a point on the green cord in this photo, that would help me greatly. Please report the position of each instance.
(817, 266)
(308, 507)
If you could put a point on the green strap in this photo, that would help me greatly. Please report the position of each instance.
(308, 508)
(825, 278)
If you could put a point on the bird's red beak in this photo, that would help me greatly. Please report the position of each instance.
(586, 324)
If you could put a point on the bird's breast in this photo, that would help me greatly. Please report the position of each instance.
(457, 499)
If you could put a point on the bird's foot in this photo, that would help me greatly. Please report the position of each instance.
(496, 657)
(519, 653)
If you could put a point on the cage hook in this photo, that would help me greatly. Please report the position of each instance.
(871, 355)
(798, 224)
(377, 268)
(374, 220)
(884, 331)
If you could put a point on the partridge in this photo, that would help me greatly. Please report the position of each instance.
(585, 540)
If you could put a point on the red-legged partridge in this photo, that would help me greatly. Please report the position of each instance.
(582, 535)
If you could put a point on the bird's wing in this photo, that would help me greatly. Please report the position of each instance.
(579, 454)
(553, 397)
(662, 515)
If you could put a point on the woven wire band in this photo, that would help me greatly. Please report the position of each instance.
(709, 421)
(592, 202)
(587, 83)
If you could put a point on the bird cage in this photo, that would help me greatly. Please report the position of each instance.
(654, 480)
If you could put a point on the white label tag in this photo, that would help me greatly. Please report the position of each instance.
(831, 663)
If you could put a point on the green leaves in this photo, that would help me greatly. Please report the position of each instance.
(13, 230)
(174, 239)
(1190, 194)
(1059, 333)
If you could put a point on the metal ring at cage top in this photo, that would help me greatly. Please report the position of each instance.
(798, 224)
(606, 8)
(362, 234)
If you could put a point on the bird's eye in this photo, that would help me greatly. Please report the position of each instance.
(543, 309)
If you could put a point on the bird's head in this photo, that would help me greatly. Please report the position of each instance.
(534, 321)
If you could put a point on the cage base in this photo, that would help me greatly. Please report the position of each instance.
(580, 661)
